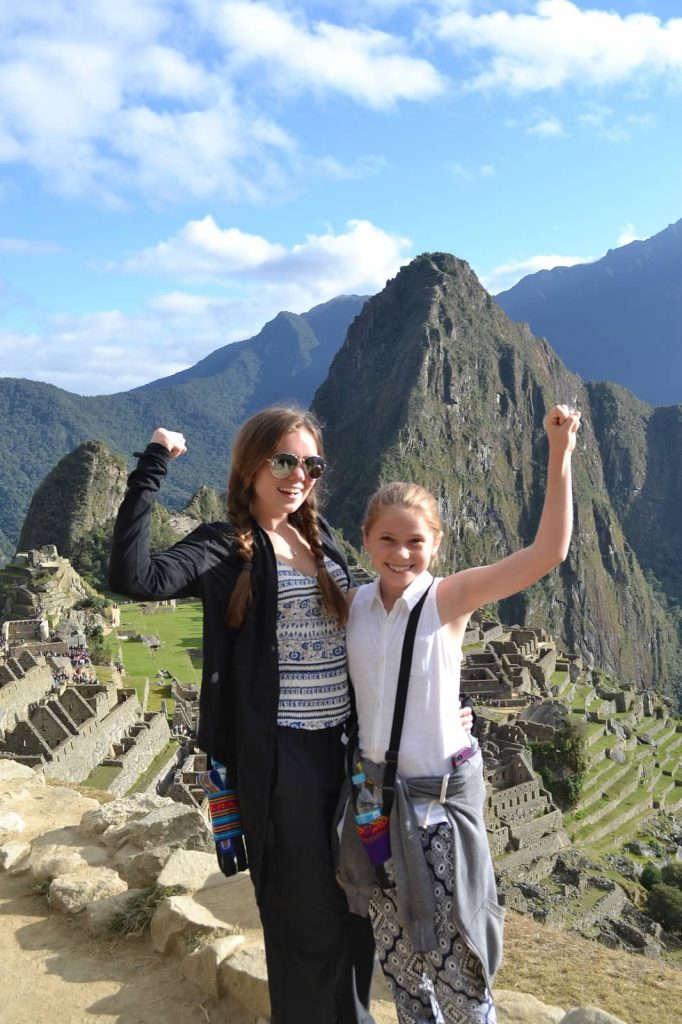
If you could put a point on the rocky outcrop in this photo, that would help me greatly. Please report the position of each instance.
(83, 491)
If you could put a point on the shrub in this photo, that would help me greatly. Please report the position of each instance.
(96, 604)
(671, 874)
(137, 913)
(567, 750)
(664, 903)
(651, 876)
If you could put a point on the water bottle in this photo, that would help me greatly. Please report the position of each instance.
(367, 799)
(371, 823)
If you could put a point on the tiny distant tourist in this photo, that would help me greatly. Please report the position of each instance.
(414, 853)
(275, 705)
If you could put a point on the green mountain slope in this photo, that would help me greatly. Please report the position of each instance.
(40, 423)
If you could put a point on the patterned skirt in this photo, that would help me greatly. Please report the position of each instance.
(442, 986)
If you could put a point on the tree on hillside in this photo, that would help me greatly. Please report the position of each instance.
(651, 876)
(671, 874)
(563, 762)
(664, 903)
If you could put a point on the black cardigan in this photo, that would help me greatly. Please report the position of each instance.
(240, 679)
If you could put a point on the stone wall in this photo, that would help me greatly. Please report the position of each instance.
(610, 905)
(17, 693)
(24, 741)
(76, 758)
(513, 771)
(517, 803)
(534, 863)
(150, 737)
(76, 705)
(72, 757)
(524, 835)
(481, 681)
(16, 630)
(165, 775)
(544, 665)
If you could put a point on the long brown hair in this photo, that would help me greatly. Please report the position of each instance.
(256, 442)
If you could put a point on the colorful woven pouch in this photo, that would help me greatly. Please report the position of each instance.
(226, 822)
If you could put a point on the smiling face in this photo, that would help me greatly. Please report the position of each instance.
(274, 499)
(401, 544)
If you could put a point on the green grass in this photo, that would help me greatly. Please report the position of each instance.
(154, 767)
(137, 659)
(599, 777)
(157, 693)
(607, 741)
(588, 899)
(101, 777)
(621, 833)
(584, 697)
(135, 917)
(104, 673)
(593, 732)
(178, 631)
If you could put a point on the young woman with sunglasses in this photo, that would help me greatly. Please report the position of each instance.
(275, 701)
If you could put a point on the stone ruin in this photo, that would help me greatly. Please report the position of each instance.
(62, 720)
(513, 667)
(37, 558)
(40, 584)
(71, 730)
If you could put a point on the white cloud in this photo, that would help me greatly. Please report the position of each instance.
(363, 167)
(203, 251)
(603, 120)
(470, 173)
(508, 274)
(365, 64)
(145, 97)
(626, 235)
(547, 127)
(560, 43)
(359, 259)
(90, 352)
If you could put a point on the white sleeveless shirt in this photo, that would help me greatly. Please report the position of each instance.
(432, 731)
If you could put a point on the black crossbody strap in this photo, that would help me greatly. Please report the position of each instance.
(391, 757)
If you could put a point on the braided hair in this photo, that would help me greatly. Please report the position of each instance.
(256, 441)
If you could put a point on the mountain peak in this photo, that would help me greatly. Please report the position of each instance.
(436, 385)
(83, 491)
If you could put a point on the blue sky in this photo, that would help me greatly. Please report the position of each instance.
(175, 172)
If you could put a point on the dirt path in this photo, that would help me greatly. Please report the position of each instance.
(53, 972)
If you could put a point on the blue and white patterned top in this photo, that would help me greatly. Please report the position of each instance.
(313, 678)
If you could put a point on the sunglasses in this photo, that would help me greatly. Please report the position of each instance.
(284, 463)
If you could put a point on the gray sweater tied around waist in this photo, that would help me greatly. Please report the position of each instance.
(475, 910)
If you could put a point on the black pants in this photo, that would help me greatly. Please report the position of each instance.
(319, 955)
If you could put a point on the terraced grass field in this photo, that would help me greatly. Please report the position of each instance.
(179, 632)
